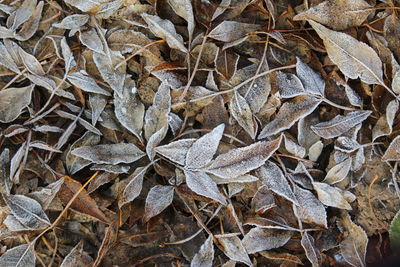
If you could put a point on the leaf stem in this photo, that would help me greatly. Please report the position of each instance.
(327, 101)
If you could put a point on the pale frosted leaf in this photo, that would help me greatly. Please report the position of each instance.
(101, 179)
(6, 60)
(16, 161)
(202, 184)
(241, 111)
(165, 29)
(68, 57)
(354, 58)
(46, 195)
(263, 200)
(91, 39)
(97, 103)
(157, 115)
(30, 62)
(310, 209)
(6, 33)
(72, 21)
(129, 110)
(184, 9)
(14, 225)
(235, 188)
(234, 249)
(339, 14)
(338, 172)
(19, 256)
(289, 85)
(203, 150)
(340, 124)
(81, 121)
(312, 252)
(5, 182)
(109, 154)
(22, 14)
(311, 80)
(259, 239)
(247, 178)
(176, 151)
(241, 160)
(158, 199)
(86, 6)
(75, 163)
(109, 8)
(86, 83)
(346, 144)
(221, 9)
(13, 101)
(305, 136)
(352, 96)
(272, 176)
(354, 245)
(134, 186)
(118, 169)
(331, 196)
(289, 114)
(115, 77)
(205, 256)
(74, 256)
(50, 85)
(315, 151)
(229, 31)
(154, 141)
(393, 151)
(44, 146)
(27, 211)
(384, 125)
(294, 148)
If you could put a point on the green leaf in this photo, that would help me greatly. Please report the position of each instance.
(394, 232)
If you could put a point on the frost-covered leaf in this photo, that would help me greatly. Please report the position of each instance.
(294, 148)
(158, 199)
(203, 150)
(310, 209)
(46, 195)
(176, 151)
(5, 182)
(19, 256)
(86, 83)
(384, 125)
(346, 144)
(289, 114)
(30, 62)
(128, 109)
(312, 252)
(331, 196)
(340, 124)
(109, 154)
(241, 160)
(154, 141)
(157, 115)
(393, 151)
(394, 232)
(234, 249)
(134, 186)
(272, 176)
(241, 111)
(229, 31)
(69, 60)
(73, 21)
(91, 39)
(205, 256)
(339, 14)
(97, 103)
(289, 85)
(354, 58)
(13, 101)
(27, 211)
(6, 59)
(184, 9)
(259, 239)
(311, 80)
(263, 200)
(200, 183)
(338, 172)
(74, 257)
(165, 29)
(44, 146)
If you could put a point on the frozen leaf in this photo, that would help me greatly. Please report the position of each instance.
(158, 199)
(74, 257)
(354, 245)
(259, 239)
(134, 186)
(346, 144)
(184, 9)
(84, 123)
(16, 161)
(101, 179)
(263, 200)
(22, 14)
(229, 31)
(5, 182)
(46, 195)
(109, 154)
(247, 178)
(157, 115)
(272, 176)
(384, 125)
(200, 183)
(338, 172)
(44, 146)
(129, 110)
(13, 101)
(340, 124)
(234, 249)
(310, 209)
(69, 60)
(394, 233)
(312, 81)
(294, 148)
(176, 151)
(393, 151)
(86, 83)
(75, 163)
(352, 96)
(30, 62)
(241, 160)
(118, 169)
(289, 85)
(154, 141)
(221, 9)
(241, 111)
(115, 77)
(27, 211)
(305, 136)
(14, 225)
(312, 252)
(74, 21)
(354, 58)
(97, 103)
(331, 196)
(165, 29)
(86, 6)
(19, 256)
(205, 256)
(203, 150)
(92, 40)
(6, 59)
(338, 15)
(289, 114)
